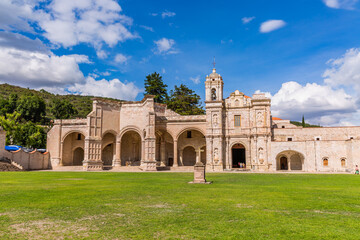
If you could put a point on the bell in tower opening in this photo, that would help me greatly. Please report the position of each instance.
(213, 94)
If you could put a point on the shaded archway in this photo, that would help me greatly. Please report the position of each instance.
(78, 156)
(71, 153)
(189, 156)
(290, 160)
(131, 149)
(164, 148)
(108, 143)
(190, 144)
(238, 153)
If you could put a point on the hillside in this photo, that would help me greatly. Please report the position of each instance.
(82, 103)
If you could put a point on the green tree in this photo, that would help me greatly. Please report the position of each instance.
(185, 101)
(32, 108)
(62, 109)
(154, 85)
(303, 121)
(26, 134)
(13, 101)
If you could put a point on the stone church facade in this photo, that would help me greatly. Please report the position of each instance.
(237, 133)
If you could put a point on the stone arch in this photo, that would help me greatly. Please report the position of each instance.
(70, 132)
(189, 129)
(194, 138)
(164, 154)
(238, 155)
(108, 148)
(78, 156)
(295, 161)
(113, 132)
(213, 94)
(70, 143)
(131, 128)
(189, 156)
(131, 147)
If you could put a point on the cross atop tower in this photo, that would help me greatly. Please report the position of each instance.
(214, 63)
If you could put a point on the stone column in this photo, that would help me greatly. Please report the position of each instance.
(162, 154)
(228, 160)
(175, 154)
(181, 157)
(117, 161)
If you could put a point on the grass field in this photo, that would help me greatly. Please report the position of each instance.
(82, 205)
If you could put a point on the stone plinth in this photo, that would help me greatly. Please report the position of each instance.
(199, 174)
(93, 165)
(148, 166)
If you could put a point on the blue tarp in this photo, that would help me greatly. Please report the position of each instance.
(12, 147)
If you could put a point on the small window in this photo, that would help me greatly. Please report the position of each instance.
(343, 162)
(237, 120)
(325, 162)
(79, 136)
(289, 139)
(317, 139)
(282, 126)
(188, 134)
(351, 138)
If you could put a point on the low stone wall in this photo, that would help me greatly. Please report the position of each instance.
(29, 160)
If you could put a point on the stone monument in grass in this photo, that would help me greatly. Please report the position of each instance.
(199, 174)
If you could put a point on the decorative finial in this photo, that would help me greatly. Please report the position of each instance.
(214, 63)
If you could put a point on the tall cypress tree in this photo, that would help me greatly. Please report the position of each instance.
(154, 85)
(303, 121)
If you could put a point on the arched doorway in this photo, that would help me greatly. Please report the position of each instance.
(191, 142)
(78, 156)
(283, 163)
(131, 149)
(238, 152)
(73, 149)
(164, 148)
(189, 156)
(108, 149)
(290, 160)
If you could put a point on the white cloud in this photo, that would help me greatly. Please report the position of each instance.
(35, 69)
(195, 80)
(271, 25)
(147, 28)
(246, 20)
(166, 13)
(113, 88)
(68, 22)
(312, 100)
(345, 4)
(344, 71)
(165, 46)
(121, 58)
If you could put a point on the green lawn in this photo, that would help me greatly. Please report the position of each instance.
(78, 205)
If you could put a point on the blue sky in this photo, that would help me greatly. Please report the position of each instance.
(303, 54)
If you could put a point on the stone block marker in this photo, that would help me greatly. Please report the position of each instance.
(199, 174)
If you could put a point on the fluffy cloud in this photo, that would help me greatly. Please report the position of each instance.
(345, 4)
(68, 23)
(271, 25)
(121, 58)
(246, 20)
(165, 46)
(104, 88)
(38, 69)
(312, 100)
(344, 71)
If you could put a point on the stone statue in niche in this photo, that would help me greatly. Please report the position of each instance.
(216, 155)
(261, 155)
(215, 120)
(260, 119)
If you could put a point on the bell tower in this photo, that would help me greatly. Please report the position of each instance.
(215, 125)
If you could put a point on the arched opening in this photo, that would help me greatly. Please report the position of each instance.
(164, 149)
(325, 162)
(238, 152)
(78, 156)
(191, 144)
(72, 146)
(108, 149)
(131, 149)
(343, 162)
(189, 156)
(284, 163)
(213, 94)
(290, 160)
